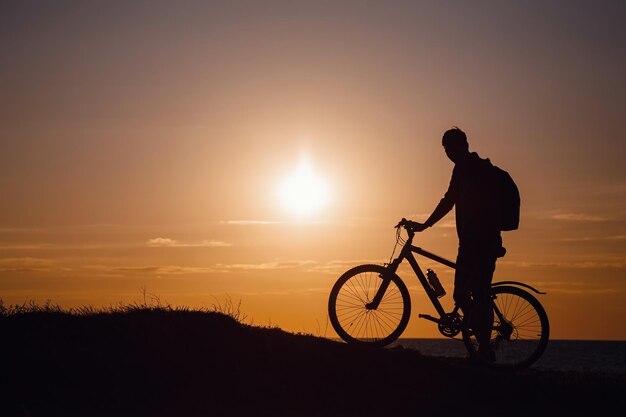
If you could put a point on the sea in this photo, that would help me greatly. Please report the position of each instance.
(597, 356)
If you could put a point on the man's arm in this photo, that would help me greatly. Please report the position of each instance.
(443, 208)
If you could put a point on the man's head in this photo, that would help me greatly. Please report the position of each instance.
(455, 144)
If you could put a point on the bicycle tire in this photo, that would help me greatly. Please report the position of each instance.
(353, 322)
(521, 339)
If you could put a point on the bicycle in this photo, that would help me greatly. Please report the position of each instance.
(370, 305)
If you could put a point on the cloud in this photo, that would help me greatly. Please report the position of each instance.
(164, 270)
(593, 238)
(574, 287)
(24, 269)
(304, 265)
(19, 229)
(447, 223)
(25, 264)
(585, 291)
(25, 261)
(249, 222)
(576, 264)
(267, 222)
(340, 266)
(265, 266)
(335, 267)
(27, 246)
(161, 241)
(578, 217)
(63, 246)
(164, 242)
(287, 292)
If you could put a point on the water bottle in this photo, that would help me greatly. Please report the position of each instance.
(434, 283)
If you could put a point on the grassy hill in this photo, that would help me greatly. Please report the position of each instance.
(161, 361)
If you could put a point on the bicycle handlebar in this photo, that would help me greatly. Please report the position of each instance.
(400, 223)
(407, 224)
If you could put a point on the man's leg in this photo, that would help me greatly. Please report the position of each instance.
(472, 285)
(463, 278)
(481, 291)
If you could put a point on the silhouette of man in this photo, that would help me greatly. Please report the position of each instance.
(471, 192)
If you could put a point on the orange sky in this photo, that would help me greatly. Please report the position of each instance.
(141, 146)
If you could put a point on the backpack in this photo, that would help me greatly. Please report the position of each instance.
(508, 200)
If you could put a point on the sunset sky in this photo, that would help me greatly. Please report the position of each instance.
(165, 145)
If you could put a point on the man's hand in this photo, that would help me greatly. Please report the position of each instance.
(413, 226)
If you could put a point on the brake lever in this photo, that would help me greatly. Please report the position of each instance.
(401, 223)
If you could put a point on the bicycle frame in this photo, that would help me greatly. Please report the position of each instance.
(519, 326)
(407, 253)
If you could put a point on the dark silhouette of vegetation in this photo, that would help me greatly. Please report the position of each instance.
(155, 360)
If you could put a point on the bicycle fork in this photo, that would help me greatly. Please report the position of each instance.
(390, 270)
(373, 305)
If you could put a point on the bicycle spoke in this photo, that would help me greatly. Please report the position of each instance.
(353, 316)
(390, 322)
(351, 296)
(355, 291)
(519, 332)
(385, 327)
(358, 322)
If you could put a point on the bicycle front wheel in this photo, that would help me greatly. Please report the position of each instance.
(353, 321)
(520, 330)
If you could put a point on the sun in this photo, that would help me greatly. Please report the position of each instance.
(303, 193)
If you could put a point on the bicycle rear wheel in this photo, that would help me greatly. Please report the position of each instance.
(519, 333)
(355, 323)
